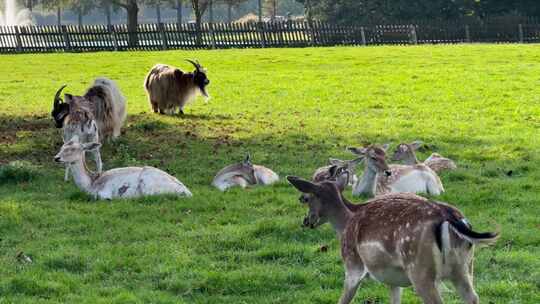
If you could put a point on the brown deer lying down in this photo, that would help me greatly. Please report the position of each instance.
(406, 153)
(244, 174)
(399, 239)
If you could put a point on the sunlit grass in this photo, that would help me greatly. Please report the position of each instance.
(292, 109)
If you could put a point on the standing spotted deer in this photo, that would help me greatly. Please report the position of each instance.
(380, 178)
(406, 153)
(399, 239)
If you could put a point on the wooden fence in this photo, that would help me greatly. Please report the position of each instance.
(71, 38)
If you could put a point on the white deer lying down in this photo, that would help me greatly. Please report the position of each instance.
(126, 182)
(244, 174)
(406, 153)
(379, 178)
(399, 239)
(326, 172)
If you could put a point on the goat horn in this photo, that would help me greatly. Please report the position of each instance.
(57, 98)
(196, 64)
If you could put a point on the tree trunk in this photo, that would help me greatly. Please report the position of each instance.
(229, 12)
(79, 16)
(59, 15)
(30, 5)
(260, 10)
(108, 13)
(178, 11)
(158, 12)
(132, 20)
(198, 20)
(211, 11)
(308, 11)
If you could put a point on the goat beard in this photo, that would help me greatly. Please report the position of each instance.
(204, 93)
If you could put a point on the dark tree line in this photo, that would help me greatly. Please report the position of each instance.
(381, 11)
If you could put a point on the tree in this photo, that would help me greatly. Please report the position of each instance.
(132, 10)
(270, 8)
(230, 4)
(82, 7)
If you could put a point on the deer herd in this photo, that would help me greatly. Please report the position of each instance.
(397, 237)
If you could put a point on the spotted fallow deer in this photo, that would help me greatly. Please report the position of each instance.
(399, 239)
(327, 172)
(126, 182)
(380, 178)
(406, 153)
(244, 174)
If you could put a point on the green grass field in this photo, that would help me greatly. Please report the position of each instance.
(292, 109)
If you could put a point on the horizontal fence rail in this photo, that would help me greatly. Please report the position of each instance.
(72, 38)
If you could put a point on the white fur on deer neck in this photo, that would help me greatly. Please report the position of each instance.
(367, 184)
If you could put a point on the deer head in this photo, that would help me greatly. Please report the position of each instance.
(323, 200)
(406, 151)
(375, 157)
(73, 150)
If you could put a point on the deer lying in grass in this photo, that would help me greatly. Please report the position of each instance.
(406, 153)
(399, 239)
(379, 178)
(126, 182)
(244, 174)
(326, 172)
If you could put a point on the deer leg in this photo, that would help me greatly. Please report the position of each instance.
(425, 283)
(353, 275)
(427, 291)
(395, 295)
(464, 287)
(462, 279)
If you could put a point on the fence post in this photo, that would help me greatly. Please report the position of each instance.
(112, 33)
(212, 35)
(161, 28)
(363, 34)
(67, 42)
(467, 34)
(520, 29)
(262, 35)
(414, 39)
(18, 39)
(311, 32)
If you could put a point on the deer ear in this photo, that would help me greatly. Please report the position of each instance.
(357, 151)
(416, 144)
(334, 170)
(91, 146)
(247, 160)
(303, 185)
(356, 161)
(334, 161)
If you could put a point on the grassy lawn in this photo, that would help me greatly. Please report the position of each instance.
(292, 109)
